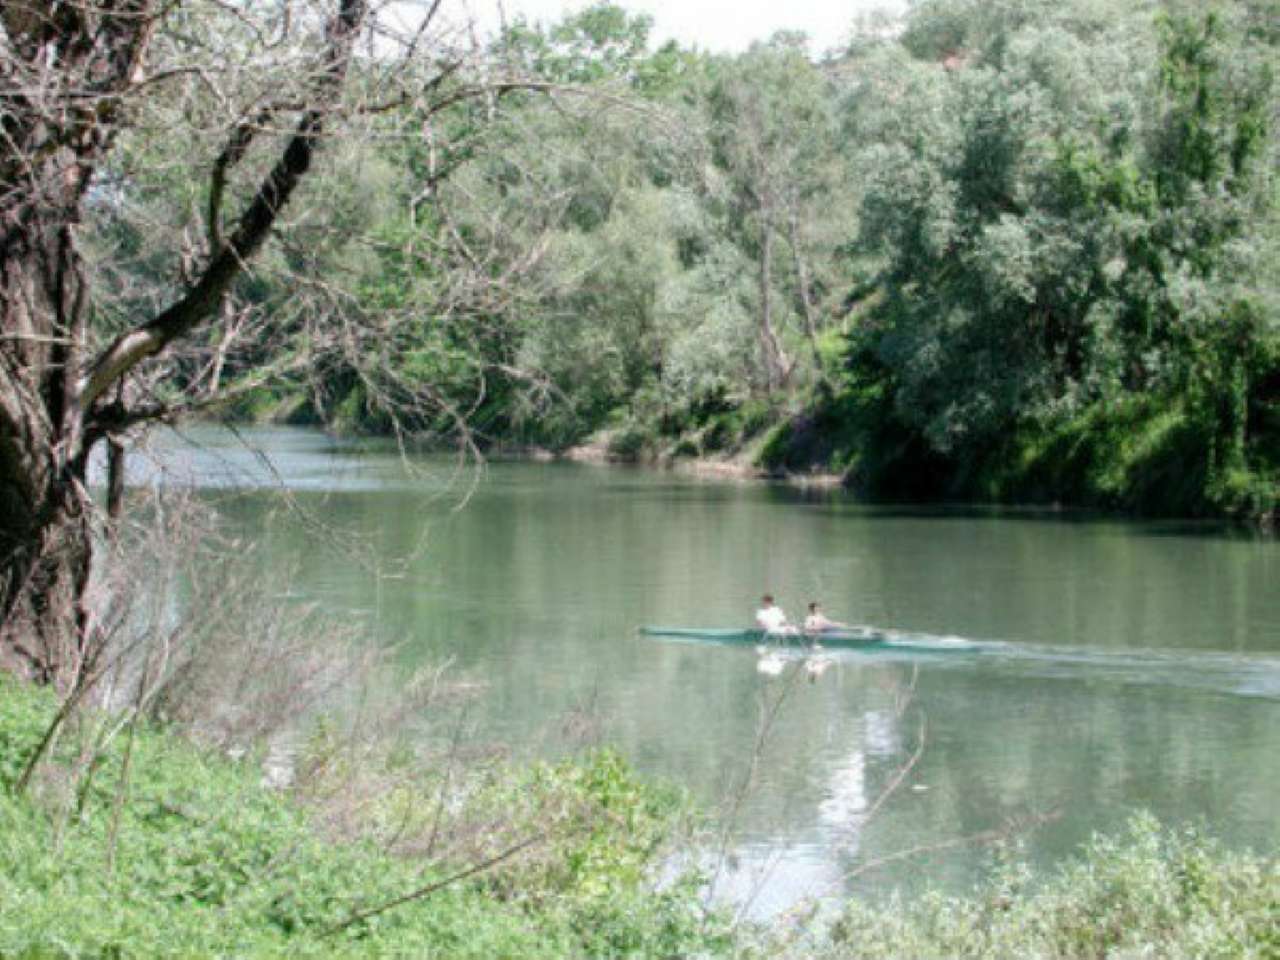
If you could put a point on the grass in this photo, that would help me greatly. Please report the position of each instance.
(207, 862)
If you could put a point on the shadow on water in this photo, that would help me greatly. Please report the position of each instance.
(846, 502)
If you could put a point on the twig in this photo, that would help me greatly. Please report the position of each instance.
(126, 765)
(896, 781)
(993, 835)
(80, 687)
(431, 888)
(767, 721)
(445, 782)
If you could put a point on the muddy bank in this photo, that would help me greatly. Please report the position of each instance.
(739, 465)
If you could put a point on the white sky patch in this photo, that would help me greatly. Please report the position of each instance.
(721, 26)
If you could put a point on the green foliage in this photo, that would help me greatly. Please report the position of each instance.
(598, 881)
(957, 245)
(712, 423)
(208, 862)
(1153, 893)
(632, 443)
(1134, 453)
(1075, 232)
(853, 429)
(600, 42)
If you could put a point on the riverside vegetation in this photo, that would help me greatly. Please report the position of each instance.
(1022, 251)
(156, 824)
(1014, 251)
(203, 860)
(1017, 250)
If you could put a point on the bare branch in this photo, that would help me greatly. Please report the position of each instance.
(900, 775)
(994, 835)
(149, 339)
(431, 888)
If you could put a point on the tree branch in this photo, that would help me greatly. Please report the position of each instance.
(432, 887)
(134, 346)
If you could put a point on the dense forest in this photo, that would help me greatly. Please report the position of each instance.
(1015, 251)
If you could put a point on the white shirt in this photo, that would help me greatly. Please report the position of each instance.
(771, 619)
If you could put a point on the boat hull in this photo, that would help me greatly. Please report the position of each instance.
(873, 640)
(852, 638)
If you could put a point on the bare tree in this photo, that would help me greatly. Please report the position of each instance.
(230, 100)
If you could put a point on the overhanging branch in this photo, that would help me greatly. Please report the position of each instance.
(146, 340)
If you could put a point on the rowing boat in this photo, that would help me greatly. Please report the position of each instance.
(852, 637)
(872, 639)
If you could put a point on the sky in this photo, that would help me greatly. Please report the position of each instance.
(722, 26)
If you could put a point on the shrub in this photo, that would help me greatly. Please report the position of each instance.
(1154, 893)
(199, 859)
(630, 443)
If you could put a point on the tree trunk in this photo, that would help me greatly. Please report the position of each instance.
(45, 538)
(67, 70)
(805, 282)
(775, 361)
(46, 574)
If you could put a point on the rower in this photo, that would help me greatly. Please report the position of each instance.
(770, 617)
(817, 621)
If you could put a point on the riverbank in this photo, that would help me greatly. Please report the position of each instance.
(147, 845)
(191, 855)
(1140, 458)
(740, 461)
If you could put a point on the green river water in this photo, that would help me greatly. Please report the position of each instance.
(1058, 666)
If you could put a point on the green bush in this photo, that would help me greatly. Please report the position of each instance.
(1144, 454)
(1154, 893)
(851, 429)
(596, 879)
(630, 443)
(258, 405)
(209, 863)
(731, 426)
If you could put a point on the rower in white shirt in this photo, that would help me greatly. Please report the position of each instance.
(771, 618)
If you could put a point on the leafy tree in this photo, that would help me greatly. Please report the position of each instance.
(771, 135)
(1073, 208)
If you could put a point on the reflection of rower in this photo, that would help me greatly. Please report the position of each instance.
(817, 621)
(815, 624)
(772, 621)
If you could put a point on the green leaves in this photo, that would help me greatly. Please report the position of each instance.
(1070, 205)
(1151, 892)
(211, 863)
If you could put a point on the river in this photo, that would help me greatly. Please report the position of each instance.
(1065, 672)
